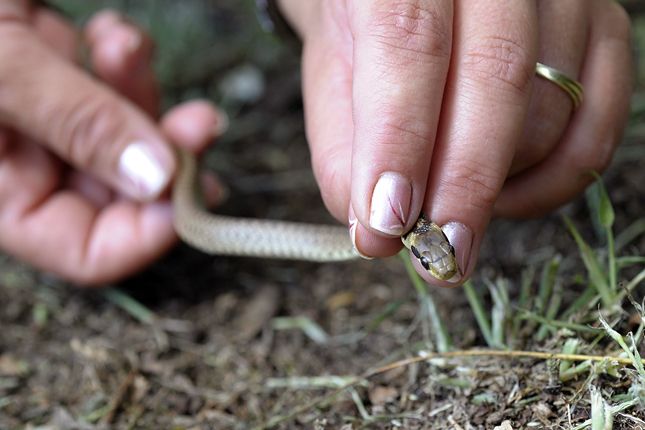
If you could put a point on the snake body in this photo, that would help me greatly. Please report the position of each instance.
(225, 235)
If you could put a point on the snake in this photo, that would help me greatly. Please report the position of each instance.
(246, 237)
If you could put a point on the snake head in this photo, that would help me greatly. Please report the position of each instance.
(431, 247)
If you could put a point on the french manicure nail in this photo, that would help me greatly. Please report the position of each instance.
(353, 223)
(143, 170)
(461, 238)
(390, 206)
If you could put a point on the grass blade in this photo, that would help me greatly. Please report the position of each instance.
(550, 312)
(480, 314)
(547, 281)
(630, 233)
(594, 269)
(130, 305)
(442, 338)
(312, 330)
(499, 313)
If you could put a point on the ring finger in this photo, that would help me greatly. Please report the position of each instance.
(596, 128)
(563, 27)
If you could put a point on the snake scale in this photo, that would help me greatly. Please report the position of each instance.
(225, 235)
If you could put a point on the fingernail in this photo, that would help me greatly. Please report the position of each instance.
(353, 223)
(143, 170)
(461, 238)
(221, 126)
(390, 205)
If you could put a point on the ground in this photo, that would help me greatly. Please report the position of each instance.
(197, 342)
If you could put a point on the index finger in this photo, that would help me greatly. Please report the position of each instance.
(401, 57)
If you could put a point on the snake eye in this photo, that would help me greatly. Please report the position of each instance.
(425, 263)
(415, 251)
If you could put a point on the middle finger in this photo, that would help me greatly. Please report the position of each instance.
(488, 91)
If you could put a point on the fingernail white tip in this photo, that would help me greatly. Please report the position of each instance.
(143, 170)
(353, 223)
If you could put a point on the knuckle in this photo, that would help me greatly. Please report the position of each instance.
(478, 183)
(401, 137)
(501, 61)
(90, 126)
(409, 29)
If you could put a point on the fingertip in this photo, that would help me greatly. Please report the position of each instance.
(194, 124)
(121, 55)
(101, 23)
(119, 52)
(124, 239)
(461, 238)
(146, 169)
(354, 227)
(156, 227)
(368, 244)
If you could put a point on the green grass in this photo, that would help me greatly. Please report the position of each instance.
(540, 316)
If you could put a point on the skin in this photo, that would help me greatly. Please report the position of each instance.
(65, 206)
(477, 136)
(444, 95)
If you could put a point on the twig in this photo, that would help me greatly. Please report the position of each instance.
(273, 422)
(118, 398)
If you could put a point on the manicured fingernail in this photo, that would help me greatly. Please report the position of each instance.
(461, 238)
(353, 223)
(143, 170)
(390, 205)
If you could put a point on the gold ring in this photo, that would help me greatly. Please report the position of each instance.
(570, 86)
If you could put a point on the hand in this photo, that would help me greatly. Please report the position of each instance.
(434, 105)
(82, 161)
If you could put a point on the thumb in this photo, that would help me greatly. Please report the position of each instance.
(78, 118)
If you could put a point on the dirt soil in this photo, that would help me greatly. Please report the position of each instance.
(212, 348)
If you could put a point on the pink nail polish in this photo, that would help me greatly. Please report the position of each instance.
(461, 238)
(143, 170)
(390, 206)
